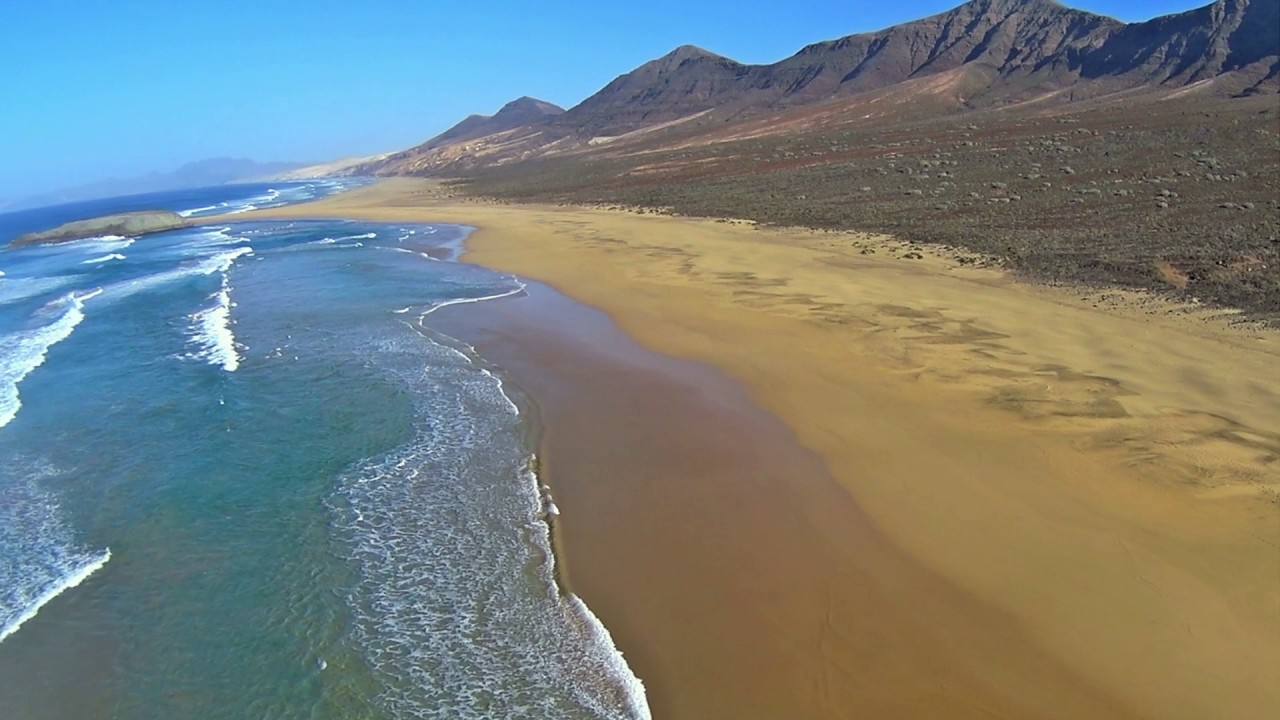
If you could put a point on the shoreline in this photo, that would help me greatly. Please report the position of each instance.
(1096, 491)
(648, 583)
(526, 406)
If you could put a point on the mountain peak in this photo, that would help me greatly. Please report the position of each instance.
(528, 107)
(519, 112)
(1006, 7)
(689, 52)
(683, 54)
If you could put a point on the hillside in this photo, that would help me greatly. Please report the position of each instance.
(983, 54)
(1062, 144)
(517, 113)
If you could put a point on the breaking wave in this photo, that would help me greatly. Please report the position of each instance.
(211, 331)
(41, 559)
(23, 351)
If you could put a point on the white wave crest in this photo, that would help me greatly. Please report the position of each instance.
(463, 301)
(193, 211)
(42, 558)
(220, 262)
(215, 236)
(13, 289)
(103, 259)
(111, 243)
(211, 331)
(425, 256)
(74, 577)
(24, 351)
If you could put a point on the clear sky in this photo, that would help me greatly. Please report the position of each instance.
(90, 90)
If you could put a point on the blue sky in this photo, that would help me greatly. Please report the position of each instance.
(96, 90)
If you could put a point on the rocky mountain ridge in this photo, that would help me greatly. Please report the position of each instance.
(982, 54)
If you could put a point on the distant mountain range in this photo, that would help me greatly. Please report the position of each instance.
(202, 173)
(982, 54)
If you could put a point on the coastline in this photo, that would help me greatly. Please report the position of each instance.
(1055, 509)
(717, 549)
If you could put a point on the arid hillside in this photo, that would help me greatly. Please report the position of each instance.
(1062, 144)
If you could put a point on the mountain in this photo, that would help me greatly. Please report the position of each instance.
(1007, 38)
(517, 113)
(1019, 49)
(1227, 36)
(685, 81)
(982, 54)
(201, 173)
(507, 129)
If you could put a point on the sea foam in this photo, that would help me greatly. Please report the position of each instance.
(103, 259)
(110, 242)
(75, 575)
(211, 331)
(461, 495)
(41, 559)
(465, 300)
(23, 351)
(208, 265)
(192, 211)
(13, 289)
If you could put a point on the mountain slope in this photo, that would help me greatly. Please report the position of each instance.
(683, 82)
(1023, 47)
(1192, 46)
(470, 141)
(1011, 37)
(982, 54)
(517, 113)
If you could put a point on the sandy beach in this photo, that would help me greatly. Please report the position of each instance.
(804, 476)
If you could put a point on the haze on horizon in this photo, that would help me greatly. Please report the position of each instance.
(96, 92)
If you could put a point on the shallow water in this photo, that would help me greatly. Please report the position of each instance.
(241, 477)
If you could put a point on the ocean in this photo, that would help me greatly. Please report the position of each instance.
(242, 477)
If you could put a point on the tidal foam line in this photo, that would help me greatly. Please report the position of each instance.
(193, 211)
(631, 687)
(423, 255)
(463, 301)
(422, 518)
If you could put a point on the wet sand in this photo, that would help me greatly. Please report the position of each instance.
(731, 569)
(905, 488)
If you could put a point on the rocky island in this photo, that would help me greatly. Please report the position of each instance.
(134, 223)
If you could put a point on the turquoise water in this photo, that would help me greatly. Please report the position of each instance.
(241, 477)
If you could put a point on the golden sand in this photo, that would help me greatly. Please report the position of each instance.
(1097, 487)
